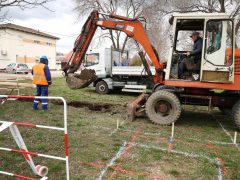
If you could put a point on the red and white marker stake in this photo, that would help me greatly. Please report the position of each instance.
(39, 169)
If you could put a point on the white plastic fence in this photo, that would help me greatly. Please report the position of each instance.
(15, 80)
(13, 126)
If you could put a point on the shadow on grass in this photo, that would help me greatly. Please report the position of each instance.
(205, 119)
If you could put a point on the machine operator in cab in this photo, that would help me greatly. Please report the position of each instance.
(193, 60)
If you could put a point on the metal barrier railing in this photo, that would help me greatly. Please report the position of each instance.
(14, 83)
(13, 126)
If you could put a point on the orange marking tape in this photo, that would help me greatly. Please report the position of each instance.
(224, 169)
(134, 137)
(118, 169)
(112, 175)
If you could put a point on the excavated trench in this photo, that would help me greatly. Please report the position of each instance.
(89, 105)
(105, 107)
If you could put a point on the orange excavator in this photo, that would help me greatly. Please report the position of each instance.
(215, 83)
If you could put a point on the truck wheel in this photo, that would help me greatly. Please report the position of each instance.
(236, 114)
(102, 87)
(163, 107)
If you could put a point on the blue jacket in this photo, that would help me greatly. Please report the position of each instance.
(197, 49)
(48, 74)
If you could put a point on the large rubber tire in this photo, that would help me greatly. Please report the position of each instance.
(165, 99)
(102, 87)
(225, 111)
(236, 114)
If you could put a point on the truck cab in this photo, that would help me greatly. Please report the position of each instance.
(100, 61)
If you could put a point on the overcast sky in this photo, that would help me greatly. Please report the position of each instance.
(63, 22)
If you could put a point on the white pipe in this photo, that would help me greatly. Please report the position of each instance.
(38, 126)
(5, 149)
(52, 157)
(50, 127)
(172, 130)
(235, 137)
(40, 155)
(6, 173)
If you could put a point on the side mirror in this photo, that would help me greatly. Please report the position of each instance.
(170, 20)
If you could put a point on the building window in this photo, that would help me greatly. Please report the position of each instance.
(36, 42)
(49, 44)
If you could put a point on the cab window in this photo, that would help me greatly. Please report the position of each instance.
(214, 36)
(91, 59)
(218, 48)
(120, 58)
(184, 42)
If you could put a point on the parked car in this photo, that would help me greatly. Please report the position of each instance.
(17, 68)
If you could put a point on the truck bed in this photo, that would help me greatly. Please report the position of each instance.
(130, 70)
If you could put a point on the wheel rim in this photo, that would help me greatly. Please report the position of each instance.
(102, 88)
(163, 108)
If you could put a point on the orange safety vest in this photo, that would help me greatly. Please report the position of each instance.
(39, 75)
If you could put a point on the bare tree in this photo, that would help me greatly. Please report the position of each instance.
(128, 8)
(22, 4)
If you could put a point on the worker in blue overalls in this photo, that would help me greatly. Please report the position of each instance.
(42, 79)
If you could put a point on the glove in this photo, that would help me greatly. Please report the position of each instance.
(188, 53)
(49, 83)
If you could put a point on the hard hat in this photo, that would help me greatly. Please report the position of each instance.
(44, 60)
(43, 57)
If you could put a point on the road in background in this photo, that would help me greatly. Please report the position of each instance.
(7, 75)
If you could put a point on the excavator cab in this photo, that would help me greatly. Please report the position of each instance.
(215, 64)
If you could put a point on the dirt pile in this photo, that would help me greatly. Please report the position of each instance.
(78, 81)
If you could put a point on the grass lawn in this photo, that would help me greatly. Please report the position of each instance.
(201, 149)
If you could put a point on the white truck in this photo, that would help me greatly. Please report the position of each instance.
(113, 71)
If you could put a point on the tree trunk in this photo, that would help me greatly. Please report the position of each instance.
(112, 38)
(222, 5)
(124, 44)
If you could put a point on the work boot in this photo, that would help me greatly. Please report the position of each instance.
(35, 106)
(44, 107)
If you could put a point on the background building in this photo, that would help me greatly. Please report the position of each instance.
(25, 45)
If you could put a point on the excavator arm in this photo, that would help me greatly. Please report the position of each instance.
(133, 29)
(82, 43)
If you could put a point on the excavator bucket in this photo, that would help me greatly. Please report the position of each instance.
(136, 108)
(82, 80)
